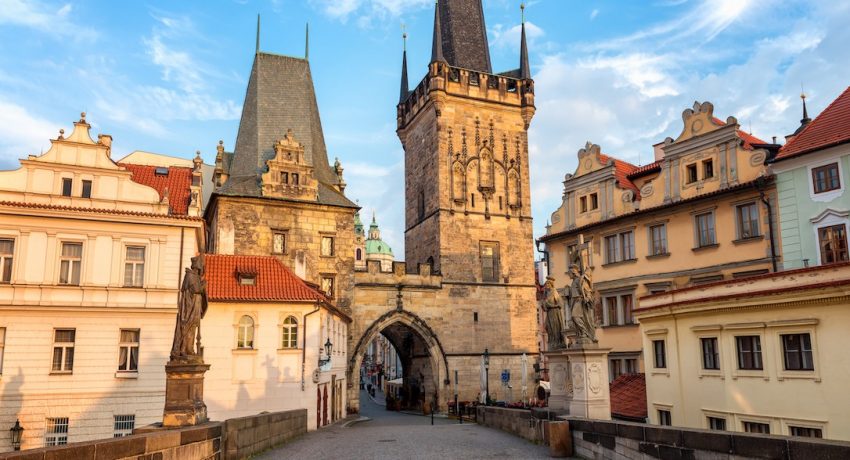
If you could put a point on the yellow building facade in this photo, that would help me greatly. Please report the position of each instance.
(701, 212)
(753, 355)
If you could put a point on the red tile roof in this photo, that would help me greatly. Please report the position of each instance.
(628, 396)
(748, 138)
(274, 280)
(646, 169)
(96, 210)
(831, 127)
(622, 169)
(178, 182)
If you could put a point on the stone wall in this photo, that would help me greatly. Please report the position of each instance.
(195, 443)
(532, 425)
(246, 436)
(594, 439)
(236, 438)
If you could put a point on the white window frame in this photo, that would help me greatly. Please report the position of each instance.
(619, 251)
(800, 326)
(56, 431)
(787, 423)
(4, 257)
(826, 197)
(242, 343)
(697, 231)
(322, 251)
(710, 332)
(739, 224)
(135, 264)
(71, 261)
(622, 359)
(649, 358)
(65, 346)
(741, 419)
(829, 218)
(732, 331)
(123, 425)
(129, 346)
(292, 328)
(655, 417)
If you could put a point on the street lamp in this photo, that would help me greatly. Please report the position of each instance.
(328, 349)
(17, 433)
(486, 377)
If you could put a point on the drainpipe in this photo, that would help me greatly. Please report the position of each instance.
(760, 186)
(304, 346)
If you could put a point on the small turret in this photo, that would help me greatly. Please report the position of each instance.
(437, 44)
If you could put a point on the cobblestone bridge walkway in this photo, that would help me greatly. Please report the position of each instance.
(393, 435)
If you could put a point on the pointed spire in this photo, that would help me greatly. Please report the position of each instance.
(806, 120)
(257, 49)
(437, 44)
(405, 88)
(524, 69)
(307, 42)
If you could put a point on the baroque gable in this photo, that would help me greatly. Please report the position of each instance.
(288, 174)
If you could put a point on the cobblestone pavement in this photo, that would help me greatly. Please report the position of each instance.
(391, 435)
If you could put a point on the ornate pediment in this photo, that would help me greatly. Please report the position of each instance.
(700, 120)
(590, 158)
(288, 175)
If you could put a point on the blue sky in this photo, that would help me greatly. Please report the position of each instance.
(170, 77)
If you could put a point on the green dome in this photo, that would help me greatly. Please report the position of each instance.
(378, 247)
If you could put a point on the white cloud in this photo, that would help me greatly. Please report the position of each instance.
(22, 134)
(365, 11)
(50, 20)
(594, 13)
(509, 38)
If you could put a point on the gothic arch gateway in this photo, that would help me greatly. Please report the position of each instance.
(424, 363)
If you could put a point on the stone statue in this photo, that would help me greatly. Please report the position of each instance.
(554, 308)
(581, 301)
(191, 307)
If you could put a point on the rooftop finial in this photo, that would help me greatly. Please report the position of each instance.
(257, 49)
(82, 117)
(307, 42)
(524, 68)
(405, 88)
(806, 120)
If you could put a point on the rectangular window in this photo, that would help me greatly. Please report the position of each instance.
(660, 355)
(278, 243)
(594, 201)
(328, 285)
(707, 169)
(691, 173)
(86, 189)
(616, 368)
(295, 179)
(63, 350)
(128, 351)
(664, 418)
(66, 186)
(7, 250)
(748, 220)
(56, 431)
(583, 204)
(705, 229)
(284, 178)
(618, 309)
(805, 432)
(710, 354)
(611, 311)
(756, 427)
(749, 352)
(123, 425)
(327, 246)
(489, 261)
(833, 244)
(825, 178)
(717, 423)
(658, 239)
(134, 267)
(2, 347)
(797, 349)
(620, 247)
(70, 263)
(631, 366)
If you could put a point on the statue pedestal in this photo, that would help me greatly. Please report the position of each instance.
(586, 394)
(184, 394)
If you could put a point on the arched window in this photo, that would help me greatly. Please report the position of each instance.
(358, 254)
(289, 333)
(245, 333)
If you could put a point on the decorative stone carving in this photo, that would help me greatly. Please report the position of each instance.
(581, 297)
(757, 158)
(191, 308)
(594, 378)
(628, 196)
(578, 378)
(647, 190)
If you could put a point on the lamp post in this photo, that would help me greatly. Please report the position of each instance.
(17, 432)
(486, 377)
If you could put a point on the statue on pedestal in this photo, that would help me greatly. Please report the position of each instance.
(191, 308)
(581, 297)
(553, 305)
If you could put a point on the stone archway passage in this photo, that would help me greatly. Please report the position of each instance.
(424, 363)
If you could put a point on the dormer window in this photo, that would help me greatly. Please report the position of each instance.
(247, 279)
(161, 171)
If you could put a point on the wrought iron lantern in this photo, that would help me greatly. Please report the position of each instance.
(17, 432)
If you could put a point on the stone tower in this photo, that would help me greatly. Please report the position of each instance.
(464, 131)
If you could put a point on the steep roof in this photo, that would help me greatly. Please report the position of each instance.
(646, 170)
(177, 181)
(622, 170)
(831, 127)
(628, 396)
(280, 96)
(464, 35)
(274, 280)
